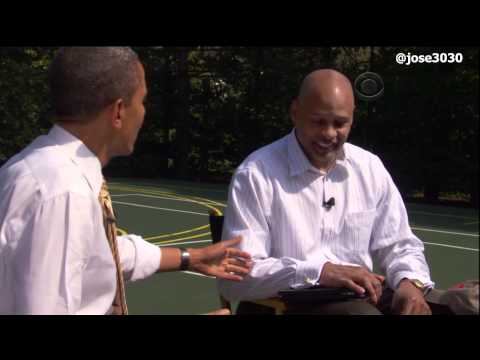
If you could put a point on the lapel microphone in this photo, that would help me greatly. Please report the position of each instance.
(329, 204)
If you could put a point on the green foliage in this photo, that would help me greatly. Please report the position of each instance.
(208, 108)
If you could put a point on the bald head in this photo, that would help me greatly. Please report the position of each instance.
(327, 87)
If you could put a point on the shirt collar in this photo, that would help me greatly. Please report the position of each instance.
(76, 150)
(298, 161)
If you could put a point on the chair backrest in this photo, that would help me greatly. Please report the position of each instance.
(216, 226)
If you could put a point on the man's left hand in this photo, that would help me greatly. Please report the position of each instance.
(409, 300)
(219, 312)
(221, 260)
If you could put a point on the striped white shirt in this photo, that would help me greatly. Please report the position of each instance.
(275, 202)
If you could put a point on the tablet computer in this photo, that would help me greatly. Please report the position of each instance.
(319, 294)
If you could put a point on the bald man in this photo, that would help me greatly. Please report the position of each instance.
(316, 210)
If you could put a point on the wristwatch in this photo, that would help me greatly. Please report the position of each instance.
(184, 259)
(419, 285)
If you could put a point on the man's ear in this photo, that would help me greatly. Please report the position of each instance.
(294, 111)
(118, 113)
(355, 116)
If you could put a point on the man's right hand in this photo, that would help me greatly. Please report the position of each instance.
(354, 278)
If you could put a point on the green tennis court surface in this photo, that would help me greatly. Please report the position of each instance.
(170, 213)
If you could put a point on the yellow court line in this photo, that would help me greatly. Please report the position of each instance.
(134, 187)
(157, 196)
(186, 238)
(121, 231)
(176, 187)
(210, 201)
(177, 233)
(111, 184)
(146, 191)
(154, 192)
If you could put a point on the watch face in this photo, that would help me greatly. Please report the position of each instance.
(417, 283)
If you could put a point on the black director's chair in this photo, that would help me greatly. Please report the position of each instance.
(216, 226)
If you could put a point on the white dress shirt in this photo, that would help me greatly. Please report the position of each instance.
(54, 254)
(275, 202)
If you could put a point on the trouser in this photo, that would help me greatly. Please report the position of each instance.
(349, 307)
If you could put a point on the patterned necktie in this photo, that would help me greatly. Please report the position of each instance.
(109, 221)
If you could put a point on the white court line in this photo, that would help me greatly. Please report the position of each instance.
(451, 246)
(157, 208)
(193, 201)
(198, 274)
(428, 243)
(120, 195)
(191, 242)
(171, 187)
(209, 241)
(184, 243)
(444, 232)
(165, 198)
(204, 241)
(442, 215)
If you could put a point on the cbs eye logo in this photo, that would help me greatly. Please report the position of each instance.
(368, 86)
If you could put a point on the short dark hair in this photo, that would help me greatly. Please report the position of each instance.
(84, 80)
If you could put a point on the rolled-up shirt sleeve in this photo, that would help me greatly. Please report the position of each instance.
(398, 251)
(249, 202)
(138, 257)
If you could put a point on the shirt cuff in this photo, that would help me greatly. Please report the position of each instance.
(308, 272)
(147, 258)
(395, 281)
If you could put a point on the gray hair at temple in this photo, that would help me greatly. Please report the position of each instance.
(84, 80)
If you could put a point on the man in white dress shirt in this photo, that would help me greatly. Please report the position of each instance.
(54, 253)
(314, 209)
